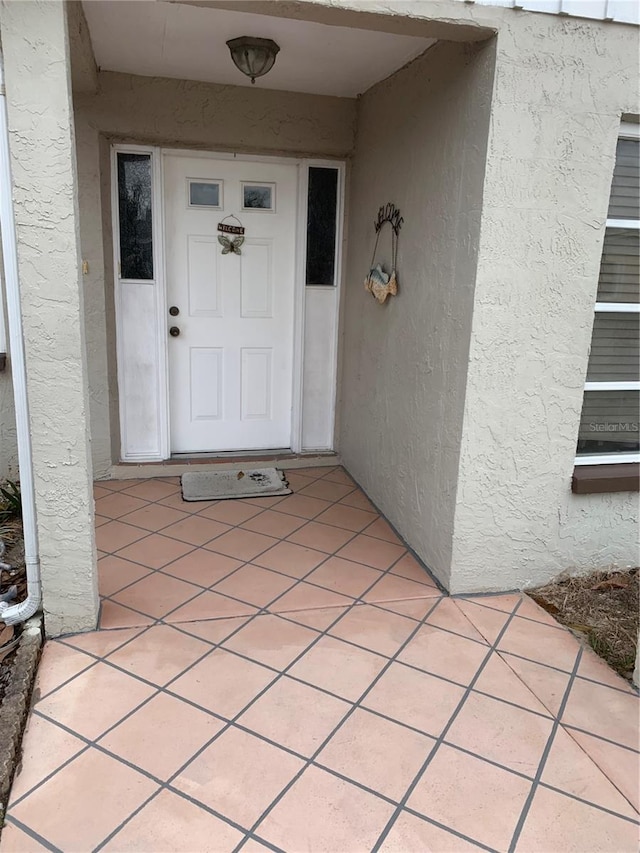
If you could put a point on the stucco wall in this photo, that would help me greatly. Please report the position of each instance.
(36, 62)
(185, 114)
(561, 87)
(421, 144)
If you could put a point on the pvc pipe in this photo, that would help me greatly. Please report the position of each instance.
(12, 614)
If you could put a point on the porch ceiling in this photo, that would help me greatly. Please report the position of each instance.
(188, 42)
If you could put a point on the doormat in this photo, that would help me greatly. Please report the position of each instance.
(225, 485)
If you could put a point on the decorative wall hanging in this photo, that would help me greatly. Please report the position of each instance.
(231, 245)
(379, 283)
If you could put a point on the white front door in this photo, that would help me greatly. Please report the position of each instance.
(231, 363)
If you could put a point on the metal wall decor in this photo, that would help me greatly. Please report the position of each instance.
(231, 245)
(379, 283)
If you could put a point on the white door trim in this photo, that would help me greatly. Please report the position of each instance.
(160, 450)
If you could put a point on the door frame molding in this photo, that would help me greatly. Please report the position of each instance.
(162, 450)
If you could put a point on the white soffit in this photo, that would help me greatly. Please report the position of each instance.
(160, 39)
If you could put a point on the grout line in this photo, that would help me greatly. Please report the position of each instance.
(32, 833)
(450, 829)
(545, 755)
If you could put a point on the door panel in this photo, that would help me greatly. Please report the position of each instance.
(231, 367)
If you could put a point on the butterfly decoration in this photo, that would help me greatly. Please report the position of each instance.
(230, 246)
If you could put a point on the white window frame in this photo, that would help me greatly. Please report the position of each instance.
(627, 131)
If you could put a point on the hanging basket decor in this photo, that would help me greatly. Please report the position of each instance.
(379, 283)
(231, 245)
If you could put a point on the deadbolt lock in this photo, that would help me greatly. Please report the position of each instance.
(174, 310)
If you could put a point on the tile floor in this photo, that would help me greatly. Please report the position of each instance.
(281, 674)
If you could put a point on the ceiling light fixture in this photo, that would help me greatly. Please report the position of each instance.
(253, 56)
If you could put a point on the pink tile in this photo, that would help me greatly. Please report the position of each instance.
(230, 512)
(153, 490)
(416, 608)
(326, 491)
(322, 537)
(319, 619)
(304, 596)
(505, 602)
(618, 764)
(381, 529)
(316, 472)
(448, 615)
(238, 775)
(58, 664)
(170, 822)
(271, 640)
(391, 587)
(159, 654)
(371, 552)
(100, 492)
(155, 551)
(530, 610)
(593, 667)
(462, 792)
(377, 753)
(92, 784)
(114, 615)
(223, 683)
(273, 523)
(408, 567)
(414, 698)
(101, 643)
(339, 475)
(295, 715)
(154, 517)
(548, 685)
(242, 544)
(114, 573)
(375, 629)
(119, 485)
(294, 560)
(347, 517)
(254, 585)
(116, 535)
(359, 500)
(502, 733)
(602, 711)
(538, 642)
(499, 680)
(344, 576)
(411, 834)
(95, 700)
(45, 747)
(338, 667)
(210, 605)
(441, 653)
(301, 506)
(116, 504)
(569, 768)
(488, 622)
(556, 822)
(202, 567)
(214, 630)
(196, 530)
(322, 813)
(156, 595)
(162, 735)
(99, 520)
(14, 840)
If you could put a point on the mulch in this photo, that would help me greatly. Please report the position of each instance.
(602, 609)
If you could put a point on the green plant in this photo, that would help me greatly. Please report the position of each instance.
(10, 501)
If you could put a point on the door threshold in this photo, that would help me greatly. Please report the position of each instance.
(179, 464)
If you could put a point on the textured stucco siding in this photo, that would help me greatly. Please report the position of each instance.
(35, 48)
(561, 88)
(421, 143)
(181, 114)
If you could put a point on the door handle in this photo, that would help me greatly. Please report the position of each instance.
(174, 331)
